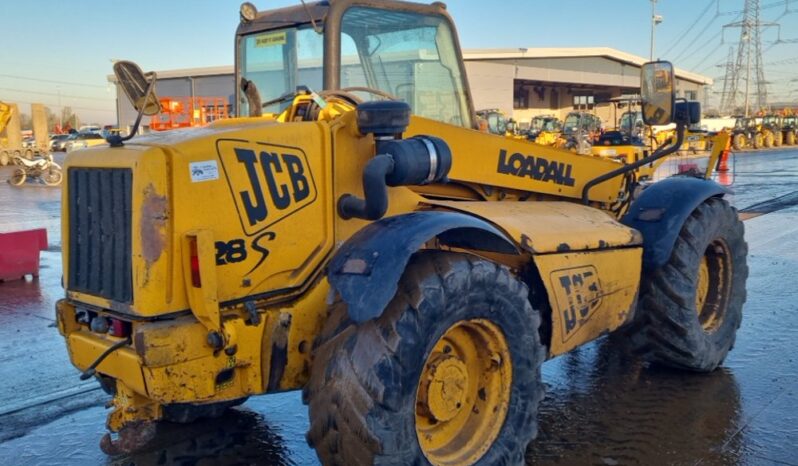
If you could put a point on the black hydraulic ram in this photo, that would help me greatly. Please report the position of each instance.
(399, 162)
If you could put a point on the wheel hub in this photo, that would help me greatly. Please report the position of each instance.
(446, 391)
(463, 393)
(713, 285)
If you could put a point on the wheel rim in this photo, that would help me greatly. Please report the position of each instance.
(463, 393)
(53, 177)
(713, 285)
(18, 177)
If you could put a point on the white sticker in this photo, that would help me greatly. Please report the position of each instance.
(204, 171)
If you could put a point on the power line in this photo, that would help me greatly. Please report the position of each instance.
(691, 45)
(93, 109)
(690, 28)
(28, 78)
(104, 99)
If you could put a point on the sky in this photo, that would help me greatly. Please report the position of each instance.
(60, 52)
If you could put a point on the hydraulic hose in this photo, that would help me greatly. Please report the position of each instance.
(375, 190)
(658, 154)
(91, 370)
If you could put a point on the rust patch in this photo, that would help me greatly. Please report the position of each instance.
(154, 214)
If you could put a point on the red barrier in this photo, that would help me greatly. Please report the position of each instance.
(19, 253)
(687, 168)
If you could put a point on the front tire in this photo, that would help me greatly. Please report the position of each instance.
(790, 139)
(690, 308)
(52, 177)
(448, 374)
(18, 177)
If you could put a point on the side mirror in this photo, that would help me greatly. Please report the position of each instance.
(140, 90)
(138, 87)
(658, 92)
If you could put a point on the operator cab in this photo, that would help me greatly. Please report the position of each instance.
(355, 51)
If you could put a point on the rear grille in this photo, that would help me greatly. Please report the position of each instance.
(100, 232)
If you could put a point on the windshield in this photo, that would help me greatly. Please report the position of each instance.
(410, 56)
(278, 61)
(571, 123)
(631, 121)
(551, 124)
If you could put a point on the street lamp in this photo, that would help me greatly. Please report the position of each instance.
(60, 110)
(655, 19)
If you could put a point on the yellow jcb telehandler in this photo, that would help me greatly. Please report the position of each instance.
(354, 235)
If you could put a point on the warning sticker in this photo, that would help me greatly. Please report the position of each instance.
(204, 171)
(268, 40)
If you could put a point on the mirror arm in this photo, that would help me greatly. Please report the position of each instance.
(116, 140)
(658, 154)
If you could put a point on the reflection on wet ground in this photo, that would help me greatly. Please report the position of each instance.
(601, 408)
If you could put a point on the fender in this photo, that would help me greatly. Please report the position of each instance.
(367, 268)
(662, 209)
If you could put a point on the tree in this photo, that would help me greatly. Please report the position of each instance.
(52, 119)
(69, 119)
(25, 121)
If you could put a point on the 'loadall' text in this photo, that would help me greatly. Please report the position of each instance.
(536, 168)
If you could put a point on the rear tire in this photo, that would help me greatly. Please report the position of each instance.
(5, 158)
(18, 177)
(370, 387)
(778, 139)
(759, 141)
(768, 140)
(738, 142)
(690, 308)
(790, 139)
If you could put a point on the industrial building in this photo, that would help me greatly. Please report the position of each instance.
(521, 82)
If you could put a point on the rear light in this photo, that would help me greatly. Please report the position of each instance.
(196, 280)
(119, 328)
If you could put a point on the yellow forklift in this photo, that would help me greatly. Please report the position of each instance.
(352, 234)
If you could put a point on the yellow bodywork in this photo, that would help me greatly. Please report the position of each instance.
(547, 138)
(231, 228)
(263, 225)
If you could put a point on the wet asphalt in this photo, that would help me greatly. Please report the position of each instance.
(602, 407)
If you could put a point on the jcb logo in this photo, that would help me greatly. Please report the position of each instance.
(268, 182)
(578, 295)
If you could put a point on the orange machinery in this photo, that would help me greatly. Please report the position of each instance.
(185, 112)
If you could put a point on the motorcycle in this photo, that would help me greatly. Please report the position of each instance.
(43, 168)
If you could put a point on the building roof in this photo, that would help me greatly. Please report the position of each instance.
(573, 52)
(482, 55)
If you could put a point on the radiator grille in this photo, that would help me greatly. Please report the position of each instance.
(100, 232)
